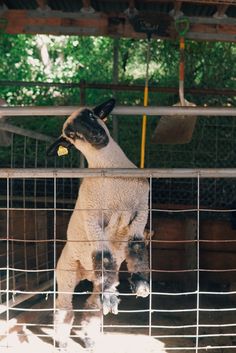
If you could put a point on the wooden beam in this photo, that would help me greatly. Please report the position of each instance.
(211, 37)
(177, 6)
(217, 29)
(57, 22)
(114, 24)
(176, 11)
(86, 3)
(211, 2)
(87, 8)
(42, 4)
(221, 9)
(212, 20)
(131, 10)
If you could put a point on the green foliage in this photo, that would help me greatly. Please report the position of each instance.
(72, 59)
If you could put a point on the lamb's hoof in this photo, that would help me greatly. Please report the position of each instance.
(110, 303)
(61, 346)
(142, 289)
(139, 285)
(89, 343)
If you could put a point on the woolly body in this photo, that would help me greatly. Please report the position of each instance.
(109, 214)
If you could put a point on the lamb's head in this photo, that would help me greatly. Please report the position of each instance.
(84, 127)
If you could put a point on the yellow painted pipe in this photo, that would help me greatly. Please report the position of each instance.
(144, 128)
(145, 103)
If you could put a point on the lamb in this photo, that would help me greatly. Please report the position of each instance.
(107, 226)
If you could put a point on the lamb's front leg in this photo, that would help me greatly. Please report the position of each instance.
(138, 265)
(104, 262)
(137, 253)
(66, 275)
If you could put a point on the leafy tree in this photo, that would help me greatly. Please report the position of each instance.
(72, 59)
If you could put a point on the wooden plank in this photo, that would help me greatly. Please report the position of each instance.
(216, 29)
(211, 37)
(20, 21)
(213, 2)
(102, 24)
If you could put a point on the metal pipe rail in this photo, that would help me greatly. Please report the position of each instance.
(120, 110)
(119, 87)
(117, 172)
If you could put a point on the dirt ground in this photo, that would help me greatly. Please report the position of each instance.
(31, 329)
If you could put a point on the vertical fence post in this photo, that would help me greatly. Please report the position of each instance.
(54, 254)
(8, 260)
(198, 264)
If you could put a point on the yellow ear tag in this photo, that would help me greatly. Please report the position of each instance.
(62, 151)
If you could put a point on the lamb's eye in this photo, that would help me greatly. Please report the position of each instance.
(79, 135)
(91, 116)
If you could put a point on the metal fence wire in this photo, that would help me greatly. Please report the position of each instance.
(213, 146)
(192, 212)
(192, 304)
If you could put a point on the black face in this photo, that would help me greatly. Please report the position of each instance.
(86, 127)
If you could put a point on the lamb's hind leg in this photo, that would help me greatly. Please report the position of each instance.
(66, 274)
(106, 279)
(138, 265)
(91, 319)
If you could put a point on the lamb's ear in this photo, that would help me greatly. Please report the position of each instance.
(104, 109)
(59, 147)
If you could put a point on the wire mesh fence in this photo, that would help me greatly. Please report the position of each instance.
(212, 146)
(191, 306)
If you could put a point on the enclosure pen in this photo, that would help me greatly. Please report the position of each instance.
(183, 312)
(191, 241)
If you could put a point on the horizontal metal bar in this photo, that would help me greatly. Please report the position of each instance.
(120, 110)
(119, 87)
(23, 297)
(24, 132)
(117, 172)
